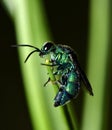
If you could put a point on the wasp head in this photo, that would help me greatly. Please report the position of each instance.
(47, 48)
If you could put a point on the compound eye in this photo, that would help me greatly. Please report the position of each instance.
(48, 46)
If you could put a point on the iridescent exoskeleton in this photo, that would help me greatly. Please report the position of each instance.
(64, 63)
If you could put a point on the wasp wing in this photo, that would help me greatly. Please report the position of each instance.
(74, 59)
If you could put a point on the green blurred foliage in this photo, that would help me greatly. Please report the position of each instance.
(86, 28)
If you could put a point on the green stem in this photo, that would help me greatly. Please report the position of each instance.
(32, 27)
(98, 51)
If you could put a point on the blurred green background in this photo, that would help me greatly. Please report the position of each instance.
(84, 25)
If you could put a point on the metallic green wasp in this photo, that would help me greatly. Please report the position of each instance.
(64, 62)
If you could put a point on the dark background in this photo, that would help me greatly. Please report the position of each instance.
(69, 24)
(13, 107)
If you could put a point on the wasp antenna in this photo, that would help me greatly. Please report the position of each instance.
(30, 55)
(26, 45)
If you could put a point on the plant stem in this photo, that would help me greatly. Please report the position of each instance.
(97, 61)
(32, 27)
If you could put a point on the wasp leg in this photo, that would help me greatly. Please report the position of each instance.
(57, 72)
(49, 64)
(47, 82)
(59, 83)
